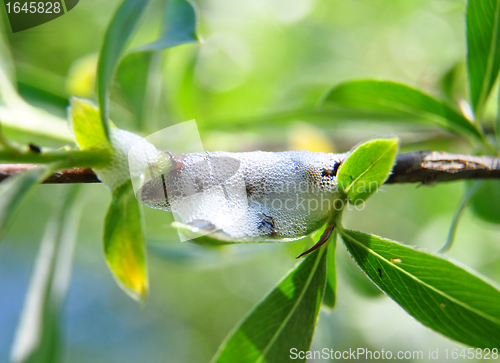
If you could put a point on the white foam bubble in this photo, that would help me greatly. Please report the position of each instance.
(247, 196)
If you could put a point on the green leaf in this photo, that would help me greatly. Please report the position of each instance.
(117, 37)
(387, 97)
(179, 26)
(136, 75)
(329, 299)
(367, 168)
(14, 189)
(8, 93)
(486, 202)
(472, 190)
(25, 123)
(483, 43)
(87, 126)
(453, 84)
(38, 336)
(19, 119)
(207, 241)
(62, 158)
(36, 92)
(124, 245)
(441, 295)
(285, 319)
(357, 278)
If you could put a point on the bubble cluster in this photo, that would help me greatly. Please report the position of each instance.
(246, 196)
(117, 171)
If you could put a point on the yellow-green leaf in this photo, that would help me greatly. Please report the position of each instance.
(87, 126)
(124, 245)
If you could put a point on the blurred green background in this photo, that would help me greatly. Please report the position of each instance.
(263, 66)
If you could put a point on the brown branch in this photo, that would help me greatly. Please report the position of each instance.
(429, 167)
(426, 167)
(74, 175)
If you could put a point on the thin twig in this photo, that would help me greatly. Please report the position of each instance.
(429, 167)
(74, 175)
(425, 167)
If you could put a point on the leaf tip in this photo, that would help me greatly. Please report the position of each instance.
(138, 290)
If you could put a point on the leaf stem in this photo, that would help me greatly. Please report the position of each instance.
(6, 143)
(66, 158)
(322, 240)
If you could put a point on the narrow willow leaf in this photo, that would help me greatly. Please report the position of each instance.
(441, 295)
(23, 122)
(14, 189)
(453, 84)
(486, 202)
(8, 93)
(330, 298)
(458, 214)
(139, 71)
(87, 126)
(124, 243)
(370, 96)
(367, 168)
(17, 116)
(7, 69)
(357, 278)
(179, 26)
(117, 37)
(497, 122)
(483, 45)
(285, 319)
(37, 339)
(206, 241)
